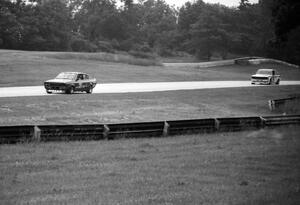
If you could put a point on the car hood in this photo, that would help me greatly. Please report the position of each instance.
(260, 75)
(58, 81)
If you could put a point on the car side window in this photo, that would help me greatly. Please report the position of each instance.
(79, 77)
(85, 77)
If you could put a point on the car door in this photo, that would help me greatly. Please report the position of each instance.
(85, 82)
(79, 82)
(277, 77)
(274, 77)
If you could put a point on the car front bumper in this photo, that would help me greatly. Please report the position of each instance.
(260, 81)
(55, 86)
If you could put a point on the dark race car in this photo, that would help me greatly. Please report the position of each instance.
(69, 82)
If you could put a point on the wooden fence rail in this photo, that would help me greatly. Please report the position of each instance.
(15, 134)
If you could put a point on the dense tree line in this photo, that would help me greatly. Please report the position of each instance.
(268, 28)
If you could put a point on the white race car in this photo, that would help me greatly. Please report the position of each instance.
(265, 76)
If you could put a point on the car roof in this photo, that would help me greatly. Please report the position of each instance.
(74, 72)
(266, 69)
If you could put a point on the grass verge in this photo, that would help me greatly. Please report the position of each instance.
(107, 57)
(137, 107)
(260, 167)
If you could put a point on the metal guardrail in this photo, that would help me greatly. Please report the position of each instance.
(282, 120)
(245, 60)
(69, 132)
(190, 126)
(202, 64)
(142, 129)
(239, 124)
(286, 105)
(252, 60)
(258, 60)
(15, 134)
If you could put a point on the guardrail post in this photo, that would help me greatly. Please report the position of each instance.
(217, 124)
(105, 131)
(166, 129)
(262, 122)
(271, 105)
(36, 134)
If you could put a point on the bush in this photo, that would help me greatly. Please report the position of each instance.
(79, 44)
(115, 44)
(145, 48)
(165, 52)
(105, 46)
(127, 45)
(141, 54)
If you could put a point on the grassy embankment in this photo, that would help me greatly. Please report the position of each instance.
(260, 167)
(23, 68)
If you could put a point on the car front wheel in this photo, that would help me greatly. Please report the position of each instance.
(89, 90)
(70, 90)
(48, 91)
(271, 81)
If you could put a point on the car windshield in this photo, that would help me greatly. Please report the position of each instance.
(264, 72)
(70, 76)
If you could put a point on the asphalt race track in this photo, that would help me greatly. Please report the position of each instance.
(138, 87)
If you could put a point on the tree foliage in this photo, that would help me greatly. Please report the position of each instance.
(268, 28)
(285, 16)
